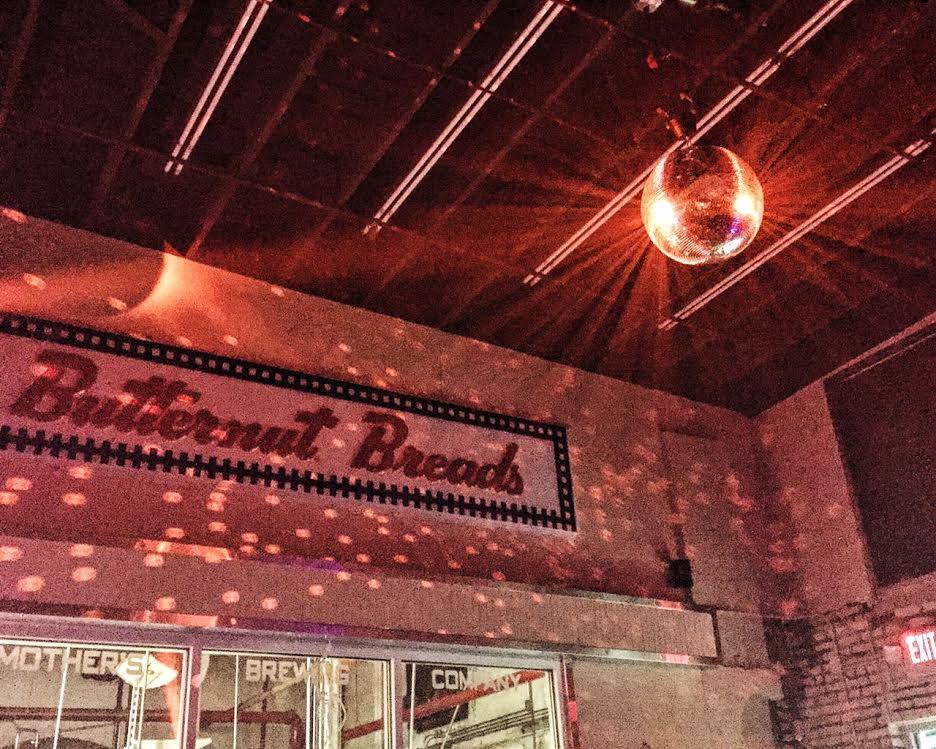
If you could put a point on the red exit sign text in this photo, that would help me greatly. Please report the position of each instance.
(921, 646)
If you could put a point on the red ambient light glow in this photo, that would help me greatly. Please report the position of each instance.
(921, 646)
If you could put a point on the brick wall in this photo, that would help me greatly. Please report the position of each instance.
(841, 684)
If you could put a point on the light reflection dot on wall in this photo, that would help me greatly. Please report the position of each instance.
(172, 498)
(330, 513)
(74, 499)
(409, 538)
(118, 304)
(166, 603)
(79, 472)
(373, 584)
(18, 484)
(454, 565)
(401, 558)
(272, 500)
(230, 596)
(217, 527)
(174, 533)
(153, 560)
(383, 531)
(343, 576)
(230, 340)
(303, 533)
(8, 499)
(250, 538)
(30, 584)
(36, 282)
(272, 548)
(363, 558)
(10, 553)
(269, 604)
(81, 551)
(17, 217)
(343, 539)
(316, 590)
(83, 574)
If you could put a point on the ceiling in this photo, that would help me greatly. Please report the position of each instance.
(523, 232)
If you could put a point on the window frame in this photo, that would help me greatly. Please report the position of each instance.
(288, 643)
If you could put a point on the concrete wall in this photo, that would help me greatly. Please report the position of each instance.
(825, 542)
(634, 706)
(631, 512)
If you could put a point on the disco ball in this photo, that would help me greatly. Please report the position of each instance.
(702, 204)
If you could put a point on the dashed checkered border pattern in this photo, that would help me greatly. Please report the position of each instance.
(106, 452)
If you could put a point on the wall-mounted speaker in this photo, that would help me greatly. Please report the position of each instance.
(679, 573)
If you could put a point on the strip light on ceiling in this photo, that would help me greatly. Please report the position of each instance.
(853, 193)
(739, 93)
(237, 45)
(548, 13)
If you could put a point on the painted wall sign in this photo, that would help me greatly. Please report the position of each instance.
(920, 647)
(81, 394)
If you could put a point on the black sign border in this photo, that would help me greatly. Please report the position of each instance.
(38, 442)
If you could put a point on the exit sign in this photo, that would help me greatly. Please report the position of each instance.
(920, 646)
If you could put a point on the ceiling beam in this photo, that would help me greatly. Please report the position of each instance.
(17, 57)
(390, 138)
(384, 145)
(522, 130)
(225, 191)
(117, 151)
(28, 123)
(136, 19)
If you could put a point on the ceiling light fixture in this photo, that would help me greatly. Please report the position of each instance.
(853, 193)
(757, 77)
(230, 60)
(548, 13)
(702, 204)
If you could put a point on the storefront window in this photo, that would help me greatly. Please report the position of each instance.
(474, 707)
(61, 695)
(253, 701)
(79, 696)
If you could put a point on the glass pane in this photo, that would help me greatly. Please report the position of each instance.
(78, 696)
(254, 701)
(475, 707)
